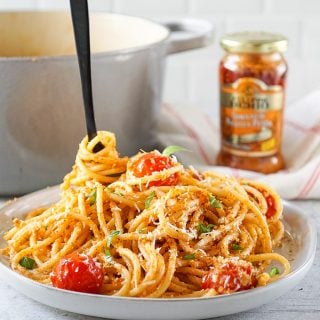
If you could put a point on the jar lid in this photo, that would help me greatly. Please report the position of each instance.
(254, 42)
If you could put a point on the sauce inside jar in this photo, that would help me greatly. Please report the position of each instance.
(252, 85)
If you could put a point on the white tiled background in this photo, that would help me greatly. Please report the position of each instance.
(192, 76)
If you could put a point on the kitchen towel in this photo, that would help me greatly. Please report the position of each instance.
(199, 132)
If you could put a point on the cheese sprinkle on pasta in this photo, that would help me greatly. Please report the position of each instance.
(156, 228)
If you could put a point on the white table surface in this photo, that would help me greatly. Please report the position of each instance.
(301, 303)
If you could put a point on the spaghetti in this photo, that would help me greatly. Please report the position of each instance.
(154, 228)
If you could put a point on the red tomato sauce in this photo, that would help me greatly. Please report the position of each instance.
(230, 277)
(153, 162)
(78, 272)
(271, 206)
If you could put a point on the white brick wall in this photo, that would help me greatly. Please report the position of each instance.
(233, 7)
(193, 76)
(153, 8)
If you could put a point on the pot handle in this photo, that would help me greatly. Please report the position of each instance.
(187, 34)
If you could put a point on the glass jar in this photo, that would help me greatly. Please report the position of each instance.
(252, 95)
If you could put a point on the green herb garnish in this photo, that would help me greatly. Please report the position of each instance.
(203, 228)
(27, 263)
(149, 199)
(140, 231)
(168, 151)
(112, 235)
(92, 197)
(235, 246)
(116, 193)
(108, 256)
(274, 271)
(214, 202)
(190, 256)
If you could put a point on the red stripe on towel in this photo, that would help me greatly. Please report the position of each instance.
(191, 133)
(211, 123)
(315, 129)
(310, 183)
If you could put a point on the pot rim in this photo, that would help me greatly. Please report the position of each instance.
(96, 55)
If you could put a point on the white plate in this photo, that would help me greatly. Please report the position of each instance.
(296, 223)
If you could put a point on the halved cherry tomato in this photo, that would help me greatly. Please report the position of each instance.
(153, 162)
(78, 272)
(230, 277)
(271, 206)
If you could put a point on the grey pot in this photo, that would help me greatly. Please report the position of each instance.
(41, 110)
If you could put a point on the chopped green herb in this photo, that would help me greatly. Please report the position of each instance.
(92, 197)
(117, 193)
(108, 256)
(168, 151)
(149, 199)
(214, 202)
(274, 271)
(27, 263)
(112, 235)
(190, 256)
(203, 228)
(140, 231)
(235, 246)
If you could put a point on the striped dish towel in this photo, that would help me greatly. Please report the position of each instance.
(199, 132)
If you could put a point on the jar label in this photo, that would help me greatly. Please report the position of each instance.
(251, 117)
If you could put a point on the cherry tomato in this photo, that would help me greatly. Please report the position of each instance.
(77, 272)
(271, 207)
(230, 277)
(153, 162)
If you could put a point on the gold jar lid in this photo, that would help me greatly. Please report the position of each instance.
(254, 42)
